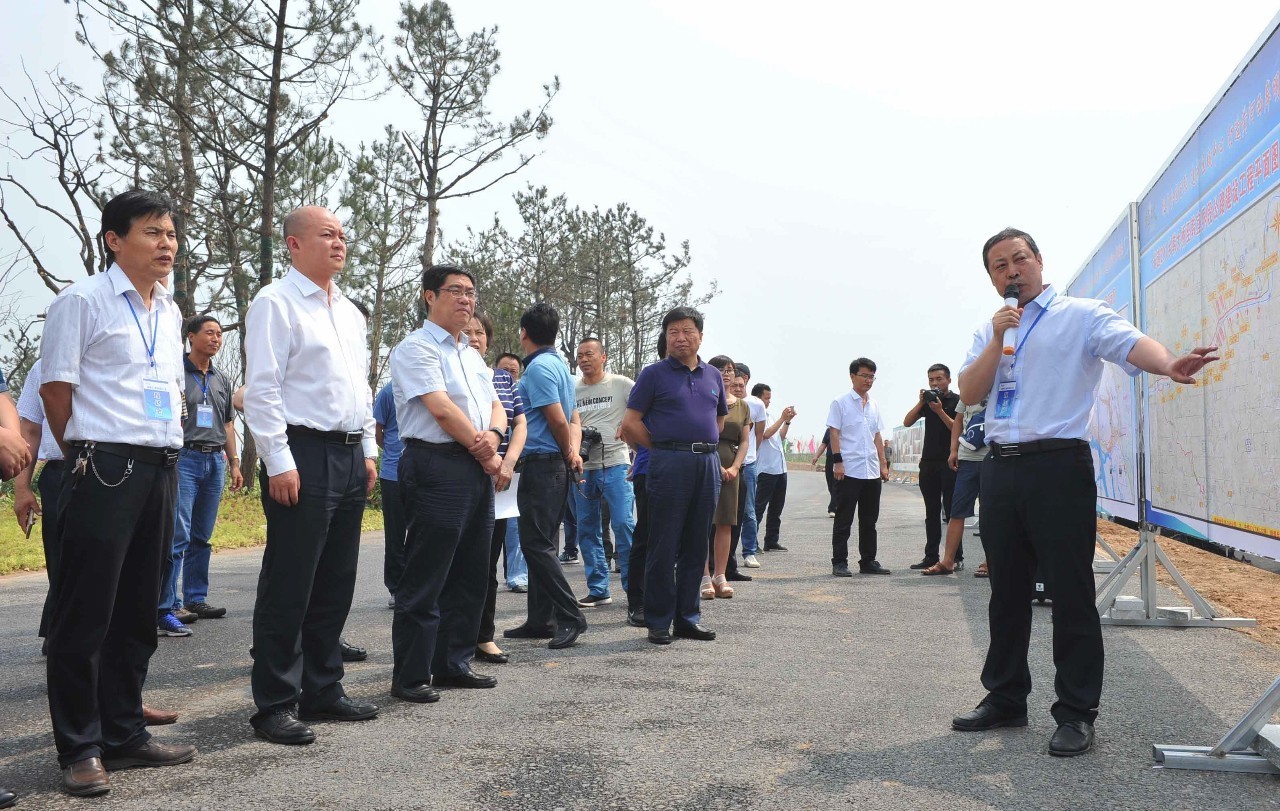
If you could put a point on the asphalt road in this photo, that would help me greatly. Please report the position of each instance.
(820, 693)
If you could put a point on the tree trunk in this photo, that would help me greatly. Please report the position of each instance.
(182, 284)
(270, 152)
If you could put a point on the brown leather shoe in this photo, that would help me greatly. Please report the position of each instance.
(85, 778)
(158, 718)
(151, 753)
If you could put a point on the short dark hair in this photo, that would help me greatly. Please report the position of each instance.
(486, 322)
(197, 322)
(743, 370)
(541, 322)
(722, 361)
(126, 208)
(591, 339)
(1008, 233)
(506, 355)
(434, 276)
(662, 345)
(759, 389)
(680, 314)
(940, 367)
(859, 364)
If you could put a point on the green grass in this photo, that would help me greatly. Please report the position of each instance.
(240, 524)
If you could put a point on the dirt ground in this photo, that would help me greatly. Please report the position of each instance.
(1237, 589)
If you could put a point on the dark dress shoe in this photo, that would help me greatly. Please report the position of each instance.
(470, 679)
(775, 548)
(924, 564)
(738, 576)
(350, 653)
(158, 718)
(1072, 738)
(873, 567)
(841, 570)
(151, 753)
(492, 658)
(985, 716)
(527, 632)
(635, 617)
(695, 632)
(419, 693)
(85, 778)
(7, 798)
(567, 635)
(660, 636)
(344, 709)
(519, 589)
(282, 726)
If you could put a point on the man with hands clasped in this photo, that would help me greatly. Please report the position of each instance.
(857, 450)
(1038, 488)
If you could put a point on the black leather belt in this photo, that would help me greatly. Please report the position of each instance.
(687, 447)
(202, 447)
(1005, 450)
(446, 448)
(339, 437)
(164, 457)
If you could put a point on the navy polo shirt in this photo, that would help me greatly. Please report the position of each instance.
(680, 404)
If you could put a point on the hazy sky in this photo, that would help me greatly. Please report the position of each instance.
(835, 167)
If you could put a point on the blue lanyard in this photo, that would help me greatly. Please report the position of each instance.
(155, 322)
(1018, 349)
(204, 384)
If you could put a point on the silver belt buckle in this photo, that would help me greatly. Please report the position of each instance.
(1011, 449)
(354, 437)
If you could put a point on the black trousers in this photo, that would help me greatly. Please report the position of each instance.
(570, 520)
(829, 472)
(863, 496)
(496, 545)
(448, 502)
(1039, 508)
(541, 497)
(308, 577)
(393, 526)
(113, 541)
(49, 486)
(937, 481)
(683, 489)
(771, 495)
(639, 544)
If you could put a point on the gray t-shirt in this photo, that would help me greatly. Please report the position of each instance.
(966, 412)
(602, 406)
(213, 390)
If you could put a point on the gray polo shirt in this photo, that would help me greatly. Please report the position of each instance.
(213, 390)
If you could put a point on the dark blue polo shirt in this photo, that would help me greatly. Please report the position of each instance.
(679, 404)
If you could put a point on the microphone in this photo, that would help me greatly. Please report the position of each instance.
(1011, 334)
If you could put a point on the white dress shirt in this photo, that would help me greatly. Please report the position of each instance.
(758, 415)
(772, 460)
(430, 360)
(31, 409)
(307, 363)
(1058, 367)
(92, 341)
(858, 422)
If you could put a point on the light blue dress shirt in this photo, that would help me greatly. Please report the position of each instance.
(1058, 367)
(431, 360)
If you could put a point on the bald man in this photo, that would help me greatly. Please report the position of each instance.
(309, 406)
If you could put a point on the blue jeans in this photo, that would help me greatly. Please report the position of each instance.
(750, 540)
(201, 477)
(517, 571)
(611, 485)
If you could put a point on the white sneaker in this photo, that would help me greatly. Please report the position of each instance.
(750, 562)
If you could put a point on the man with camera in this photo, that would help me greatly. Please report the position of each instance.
(602, 402)
(937, 406)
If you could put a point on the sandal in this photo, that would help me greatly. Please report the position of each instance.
(708, 590)
(722, 588)
(938, 568)
(981, 571)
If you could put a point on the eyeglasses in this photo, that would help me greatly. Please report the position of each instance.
(865, 377)
(461, 292)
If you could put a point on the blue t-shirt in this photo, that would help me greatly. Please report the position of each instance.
(680, 404)
(384, 413)
(545, 381)
(640, 465)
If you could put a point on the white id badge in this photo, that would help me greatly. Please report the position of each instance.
(204, 416)
(155, 400)
(1004, 399)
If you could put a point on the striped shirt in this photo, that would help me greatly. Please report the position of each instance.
(509, 396)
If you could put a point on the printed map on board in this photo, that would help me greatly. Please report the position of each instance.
(1111, 427)
(1222, 294)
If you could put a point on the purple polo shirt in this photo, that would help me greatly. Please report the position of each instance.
(679, 405)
